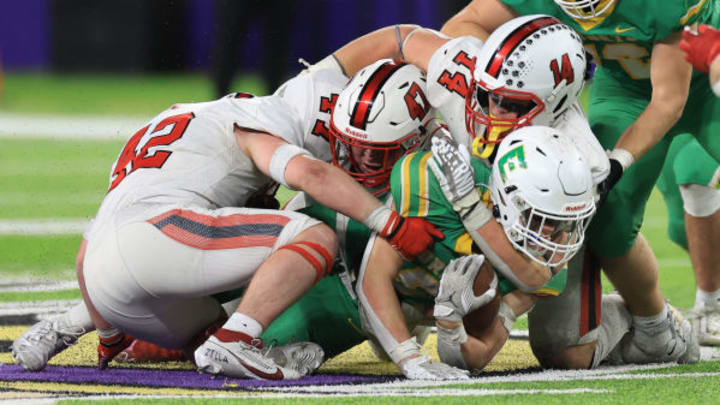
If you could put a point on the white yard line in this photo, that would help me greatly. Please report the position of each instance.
(39, 285)
(68, 127)
(65, 226)
(40, 307)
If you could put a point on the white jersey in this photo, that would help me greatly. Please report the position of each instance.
(188, 156)
(449, 73)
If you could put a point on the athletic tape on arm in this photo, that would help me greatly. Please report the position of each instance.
(449, 342)
(280, 159)
(371, 322)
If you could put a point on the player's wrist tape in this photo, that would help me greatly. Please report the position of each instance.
(449, 341)
(281, 158)
(330, 62)
(507, 316)
(623, 157)
(405, 349)
(473, 213)
(378, 220)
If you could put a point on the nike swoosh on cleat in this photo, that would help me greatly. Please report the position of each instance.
(277, 375)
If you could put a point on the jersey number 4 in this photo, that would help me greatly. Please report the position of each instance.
(563, 70)
(168, 131)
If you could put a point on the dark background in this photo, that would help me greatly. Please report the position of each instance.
(178, 35)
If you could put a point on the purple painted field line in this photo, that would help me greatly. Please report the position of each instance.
(166, 378)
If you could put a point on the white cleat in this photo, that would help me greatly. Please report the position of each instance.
(303, 357)
(240, 359)
(34, 348)
(706, 323)
(679, 343)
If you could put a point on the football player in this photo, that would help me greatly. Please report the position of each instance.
(169, 232)
(634, 103)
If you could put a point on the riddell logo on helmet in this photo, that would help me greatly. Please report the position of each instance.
(355, 133)
(575, 207)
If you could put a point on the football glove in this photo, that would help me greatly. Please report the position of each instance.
(422, 368)
(409, 236)
(451, 167)
(701, 46)
(110, 347)
(456, 298)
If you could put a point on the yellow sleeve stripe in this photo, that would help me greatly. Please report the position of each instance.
(405, 203)
(424, 197)
(692, 11)
(463, 244)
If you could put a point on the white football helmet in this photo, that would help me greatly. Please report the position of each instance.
(585, 9)
(529, 71)
(379, 117)
(542, 190)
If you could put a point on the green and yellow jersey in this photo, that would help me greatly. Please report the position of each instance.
(417, 193)
(621, 40)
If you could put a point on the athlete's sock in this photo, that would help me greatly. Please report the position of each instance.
(242, 323)
(652, 333)
(77, 317)
(707, 300)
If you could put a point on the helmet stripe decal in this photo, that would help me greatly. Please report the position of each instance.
(513, 40)
(361, 110)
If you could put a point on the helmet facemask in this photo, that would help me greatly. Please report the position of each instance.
(584, 10)
(370, 163)
(548, 238)
(492, 112)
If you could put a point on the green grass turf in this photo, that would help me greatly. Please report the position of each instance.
(143, 95)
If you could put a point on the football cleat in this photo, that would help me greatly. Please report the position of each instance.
(680, 344)
(141, 351)
(235, 354)
(706, 323)
(34, 348)
(303, 357)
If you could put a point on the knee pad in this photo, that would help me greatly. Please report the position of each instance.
(700, 201)
(302, 248)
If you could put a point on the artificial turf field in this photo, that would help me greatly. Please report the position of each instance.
(50, 185)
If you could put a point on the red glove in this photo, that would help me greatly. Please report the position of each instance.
(410, 236)
(110, 347)
(700, 47)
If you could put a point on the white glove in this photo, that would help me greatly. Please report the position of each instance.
(455, 298)
(422, 368)
(451, 166)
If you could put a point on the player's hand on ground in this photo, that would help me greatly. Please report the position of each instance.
(456, 298)
(111, 347)
(450, 164)
(701, 46)
(422, 368)
(410, 236)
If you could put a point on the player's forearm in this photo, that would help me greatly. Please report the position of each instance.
(479, 19)
(526, 274)
(670, 79)
(649, 128)
(478, 352)
(464, 23)
(376, 295)
(331, 187)
(379, 44)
